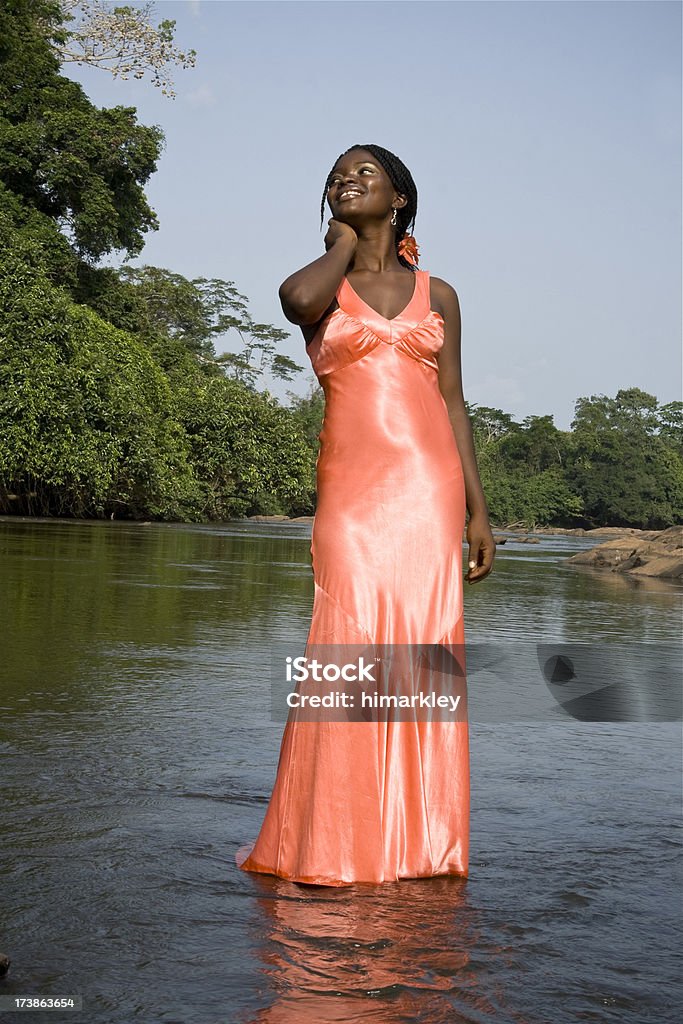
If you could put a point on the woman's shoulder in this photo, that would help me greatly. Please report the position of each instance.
(444, 296)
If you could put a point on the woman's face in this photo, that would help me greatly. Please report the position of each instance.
(361, 189)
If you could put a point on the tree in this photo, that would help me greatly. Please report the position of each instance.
(87, 425)
(91, 425)
(83, 167)
(537, 446)
(249, 453)
(489, 424)
(123, 41)
(113, 401)
(309, 411)
(671, 424)
(199, 313)
(626, 473)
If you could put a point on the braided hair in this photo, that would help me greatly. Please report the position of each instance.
(400, 178)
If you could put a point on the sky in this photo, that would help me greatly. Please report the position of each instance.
(544, 138)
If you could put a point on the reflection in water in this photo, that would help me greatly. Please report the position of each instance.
(384, 954)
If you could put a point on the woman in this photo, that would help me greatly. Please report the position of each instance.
(361, 801)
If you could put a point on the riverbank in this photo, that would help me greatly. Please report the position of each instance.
(578, 531)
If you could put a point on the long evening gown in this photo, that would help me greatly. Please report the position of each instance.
(381, 800)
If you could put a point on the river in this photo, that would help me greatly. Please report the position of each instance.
(138, 754)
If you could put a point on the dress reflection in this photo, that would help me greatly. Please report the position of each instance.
(376, 954)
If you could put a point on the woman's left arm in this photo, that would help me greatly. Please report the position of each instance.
(479, 536)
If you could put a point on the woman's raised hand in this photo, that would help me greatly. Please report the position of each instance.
(337, 231)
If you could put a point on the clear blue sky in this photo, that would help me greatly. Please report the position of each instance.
(544, 138)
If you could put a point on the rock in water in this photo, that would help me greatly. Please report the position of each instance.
(660, 554)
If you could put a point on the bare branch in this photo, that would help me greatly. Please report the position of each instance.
(122, 41)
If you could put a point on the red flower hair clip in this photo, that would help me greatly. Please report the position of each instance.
(408, 249)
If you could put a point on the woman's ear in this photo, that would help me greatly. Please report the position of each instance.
(399, 200)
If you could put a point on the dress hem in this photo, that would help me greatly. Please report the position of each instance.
(246, 864)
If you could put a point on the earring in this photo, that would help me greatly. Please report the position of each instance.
(393, 217)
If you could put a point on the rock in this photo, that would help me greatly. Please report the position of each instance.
(620, 531)
(577, 531)
(652, 553)
(671, 538)
(664, 567)
(267, 519)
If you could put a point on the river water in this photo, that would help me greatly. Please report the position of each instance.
(137, 754)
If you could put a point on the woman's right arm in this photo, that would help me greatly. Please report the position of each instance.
(306, 295)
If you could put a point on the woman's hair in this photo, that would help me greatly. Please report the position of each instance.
(400, 178)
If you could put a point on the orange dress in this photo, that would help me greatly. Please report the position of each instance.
(376, 801)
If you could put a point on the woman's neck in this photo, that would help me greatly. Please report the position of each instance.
(375, 251)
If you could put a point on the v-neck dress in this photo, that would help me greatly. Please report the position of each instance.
(376, 801)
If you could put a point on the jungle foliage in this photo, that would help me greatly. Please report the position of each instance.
(113, 401)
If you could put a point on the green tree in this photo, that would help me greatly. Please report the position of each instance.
(309, 411)
(488, 425)
(112, 398)
(86, 416)
(625, 472)
(81, 166)
(671, 425)
(249, 453)
(201, 312)
(537, 446)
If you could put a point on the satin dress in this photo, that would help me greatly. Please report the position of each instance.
(382, 800)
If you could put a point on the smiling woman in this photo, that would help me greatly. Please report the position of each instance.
(403, 216)
(373, 798)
